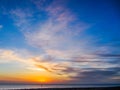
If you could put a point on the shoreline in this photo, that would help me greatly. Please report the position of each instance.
(91, 88)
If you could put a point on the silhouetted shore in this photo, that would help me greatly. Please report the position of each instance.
(96, 88)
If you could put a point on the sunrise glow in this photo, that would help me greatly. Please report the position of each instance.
(59, 42)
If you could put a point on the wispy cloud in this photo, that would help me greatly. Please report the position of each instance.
(14, 56)
(92, 76)
(30, 61)
(60, 37)
(57, 34)
(71, 69)
(22, 18)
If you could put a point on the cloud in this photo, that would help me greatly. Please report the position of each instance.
(110, 55)
(30, 62)
(7, 56)
(98, 76)
(22, 18)
(57, 34)
(77, 72)
(60, 38)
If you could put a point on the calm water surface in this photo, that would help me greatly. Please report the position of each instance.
(5, 87)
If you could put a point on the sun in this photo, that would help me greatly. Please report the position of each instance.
(42, 80)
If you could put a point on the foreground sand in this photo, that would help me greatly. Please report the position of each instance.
(97, 88)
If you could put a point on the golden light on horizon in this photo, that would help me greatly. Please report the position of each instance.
(42, 80)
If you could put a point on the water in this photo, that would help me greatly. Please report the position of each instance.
(5, 87)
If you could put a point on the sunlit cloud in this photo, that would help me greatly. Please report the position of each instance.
(64, 47)
(13, 56)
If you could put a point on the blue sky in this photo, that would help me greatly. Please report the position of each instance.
(70, 39)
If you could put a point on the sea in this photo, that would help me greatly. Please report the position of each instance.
(6, 87)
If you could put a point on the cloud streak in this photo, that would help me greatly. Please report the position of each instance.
(94, 75)
(59, 37)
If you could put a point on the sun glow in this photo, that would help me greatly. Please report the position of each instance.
(43, 80)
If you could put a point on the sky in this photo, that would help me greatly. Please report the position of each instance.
(60, 41)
